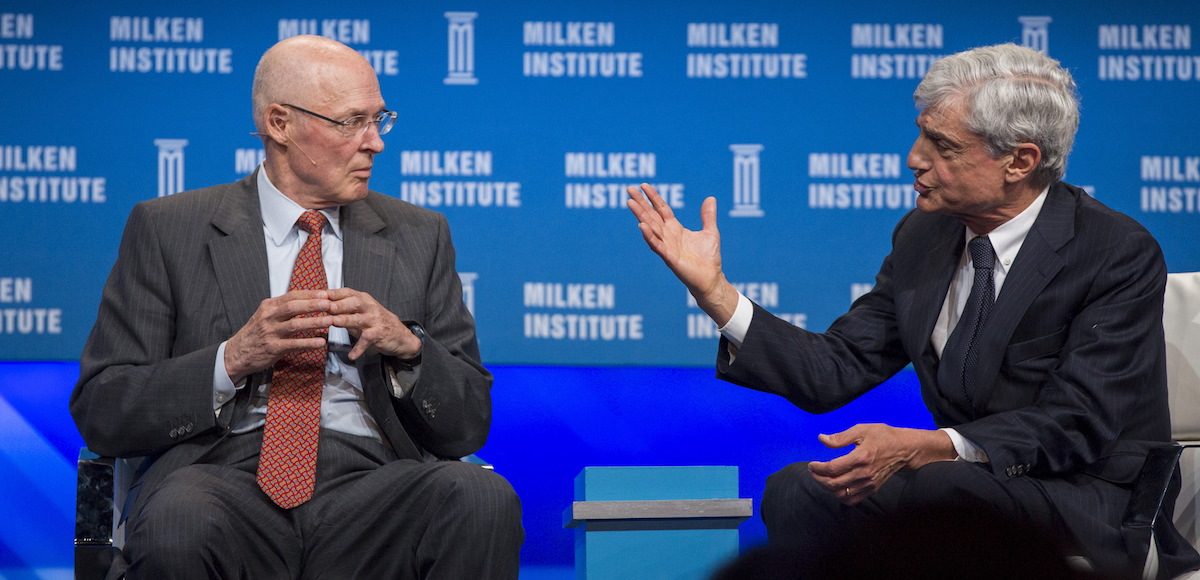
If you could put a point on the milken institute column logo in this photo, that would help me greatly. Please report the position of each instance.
(170, 165)
(1035, 32)
(746, 183)
(461, 45)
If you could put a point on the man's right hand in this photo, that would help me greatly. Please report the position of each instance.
(270, 332)
(694, 256)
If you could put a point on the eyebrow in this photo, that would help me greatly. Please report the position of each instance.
(347, 114)
(938, 136)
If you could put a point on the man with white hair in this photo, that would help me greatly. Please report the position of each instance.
(1031, 313)
(292, 356)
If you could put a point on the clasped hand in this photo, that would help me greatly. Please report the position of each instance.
(281, 325)
(879, 452)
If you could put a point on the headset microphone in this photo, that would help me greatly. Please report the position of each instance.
(301, 149)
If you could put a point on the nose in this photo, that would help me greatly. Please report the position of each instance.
(372, 140)
(918, 158)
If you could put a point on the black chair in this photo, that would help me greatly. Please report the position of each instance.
(1145, 515)
(100, 491)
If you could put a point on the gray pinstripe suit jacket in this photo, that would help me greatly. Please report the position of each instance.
(1072, 368)
(192, 269)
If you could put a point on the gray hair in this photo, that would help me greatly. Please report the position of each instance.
(1013, 95)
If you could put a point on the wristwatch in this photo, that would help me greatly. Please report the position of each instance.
(419, 332)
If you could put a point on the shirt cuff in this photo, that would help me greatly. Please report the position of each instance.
(739, 324)
(967, 451)
(223, 388)
(403, 379)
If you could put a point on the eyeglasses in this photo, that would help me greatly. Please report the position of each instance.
(356, 125)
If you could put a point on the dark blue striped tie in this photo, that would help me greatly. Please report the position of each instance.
(961, 353)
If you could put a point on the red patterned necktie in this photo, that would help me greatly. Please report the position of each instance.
(287, 466)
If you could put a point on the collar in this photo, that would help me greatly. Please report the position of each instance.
(279, 212)
(1007, 237)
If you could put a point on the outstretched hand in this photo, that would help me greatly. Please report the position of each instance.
(694, 256)
(879, 452)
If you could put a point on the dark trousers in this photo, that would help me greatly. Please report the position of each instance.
(372, 516)
(947, 519)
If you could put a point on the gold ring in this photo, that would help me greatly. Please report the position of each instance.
(848, 492)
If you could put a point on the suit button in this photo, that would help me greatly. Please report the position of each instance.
(174, 433)
(187, 428)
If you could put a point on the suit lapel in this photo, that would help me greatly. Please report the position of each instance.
(367, 258)
(239, 257)
(369, 263)
(930, 273)
(1036, 265)
(932, 276)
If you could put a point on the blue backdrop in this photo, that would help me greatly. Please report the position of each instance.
(522, 122)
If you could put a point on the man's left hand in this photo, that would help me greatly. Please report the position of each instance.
(880, 451)
(375, 328)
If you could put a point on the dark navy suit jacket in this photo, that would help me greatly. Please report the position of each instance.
(1071, 375)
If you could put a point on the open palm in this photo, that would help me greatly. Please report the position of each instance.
(694, 256)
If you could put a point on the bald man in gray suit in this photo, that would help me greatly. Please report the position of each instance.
(197, 313)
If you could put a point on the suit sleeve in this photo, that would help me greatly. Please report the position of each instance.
(1108, 388)
(819, 372)
(135, 396)
(449, 410)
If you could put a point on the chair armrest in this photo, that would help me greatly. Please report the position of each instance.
(477, 460)
(94, 515)
(94, 499)
(1146, 499)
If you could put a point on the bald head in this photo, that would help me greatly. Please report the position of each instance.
(301, 69)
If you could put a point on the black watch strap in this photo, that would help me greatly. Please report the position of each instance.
(419, 332)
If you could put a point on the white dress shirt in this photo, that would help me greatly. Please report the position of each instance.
(343, 407)
(1006, 240)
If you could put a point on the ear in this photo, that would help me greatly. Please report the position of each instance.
(1024, 159)
(276, 122)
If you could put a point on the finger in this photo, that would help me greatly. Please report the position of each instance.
(305, 324)
(636, 198)
(825, 469)
(641, 208)
(290, 345)
(656, 200)
(351, 322)
(303, 295)
(828, 482)
(297, 307)
(344, 293)
(856, 497)
(855, 481)
(839, 467)
(348, 305)
(656, 243)
(360, 348)
(851, 436)
(848, 493)
(654, 226)
(708, 214)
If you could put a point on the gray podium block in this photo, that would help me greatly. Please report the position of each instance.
(655, 522)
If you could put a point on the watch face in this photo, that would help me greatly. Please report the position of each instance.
(417, 330)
